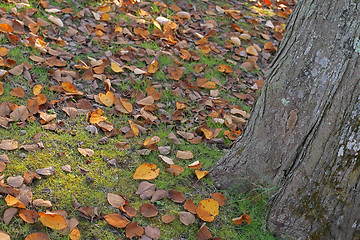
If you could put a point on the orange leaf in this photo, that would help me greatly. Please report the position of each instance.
(152, 92)
(37, 236)
(208, 209)
(180, 105)
(37, 89)
(4, 51)
(28, 216)
(52, 220)
(195, 165)
(107, 99)
(240, 219)
(153, 67)
(75, 234)
(146, 171)
(14, 202)
(124, 106)
(200, 174)
(97, 117)
(190, 206)
(208, 134)
(117, 220)
(175, 169)
(68, 87)
(134, 128)
(225, 68)
(17, 92)
(167, 218)
(1, 88)
(133, 230)
(5, 28)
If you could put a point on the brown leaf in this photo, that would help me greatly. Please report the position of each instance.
(133, 230)
(146, 190)
(17, 71)
(240, 219)
(29, 147)
(176, 196)
(167, 159)
(2, 166)
(175, 74)
(9, 214)
(29, 176)
(86, 152)
(1, 88)
(184, 154)
(17, 92)
(152, 92)
(252, 51)
(219, 198)
(152, 232)
(8, 144)
(207, 210)
(146, 171)
(130, 211)
(28, 216)
(186, 218)
(175, 169)
(195, 165)
(124, 106)
(3, 235)
(146, 101)
(158, 195)
(52, 220)
(45, 171)
(70, 111)
(41, 203)
(15, 181)
(45, 117)
(117, 220)
(20, 114)
(115, 200)
(190, 206)
(167, 218)
(37, 236)
(148, 210)
(204, 233)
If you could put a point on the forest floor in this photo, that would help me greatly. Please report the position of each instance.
(96, 98)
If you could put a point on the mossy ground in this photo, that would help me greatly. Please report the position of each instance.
(60, 148)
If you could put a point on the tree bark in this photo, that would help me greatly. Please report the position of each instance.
(303, 135)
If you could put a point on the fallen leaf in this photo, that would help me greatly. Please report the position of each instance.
(9, 214)
(17, 71)
(45, 117)
(15, 181)
(45, 171)
(4, 51)
(1, 88)
(252, 51)
(200, 174)
(146, 171)
(5, 28)
(115, 200)
(167, 218)
(28, 216)
(176, 196)
(166, 159)
(151, 91)
(97, 117)
(190, 206)
(175, 169)
(2, 166)
(146, 101)
(86, 152)
(116, 67)
(184, 154)
(240, 219)
(195, 165)
(186, 218)
(134, 128)
(158, 195)
(207, 210)
(146, 190)
(152, 232)
(153, 67)
(204, 233)
(3, 235)
(52, 220)
(37, 236)
(107, 99)
(219, 198)
(17, 92)
(117, 220)
(14, 202)
(75, 234)
(148, 210)
(133, 230)
(57, 21)
(41, 203)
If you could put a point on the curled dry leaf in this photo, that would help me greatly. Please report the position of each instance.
(186, 218)
(146, 190)
(207, 210)
(115, 200)
(148, 210)
(167, 218)
(45, 117)
(195, 165)
(97, 117)
(134, 128)
(146, 171)
(86, 152)
(37, 236)
(45, 171)
(200, 174)
(57, 21)
(133, 230)
(176, 196)
(117, 220)
(52, 220)
(167, 159)
(41, 203)
(28, 216)
(240, 219)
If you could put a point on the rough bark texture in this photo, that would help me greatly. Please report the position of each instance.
(304, 133)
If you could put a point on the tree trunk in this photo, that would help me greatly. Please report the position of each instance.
(304, 132)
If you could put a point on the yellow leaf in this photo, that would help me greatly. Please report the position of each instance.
(146, 171)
